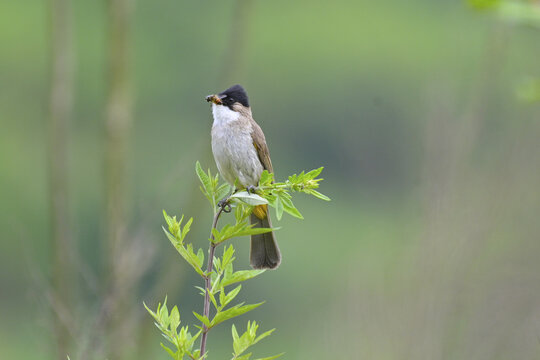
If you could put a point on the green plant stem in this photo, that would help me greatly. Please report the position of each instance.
(208, 280)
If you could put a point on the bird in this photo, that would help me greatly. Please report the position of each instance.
(241, 154)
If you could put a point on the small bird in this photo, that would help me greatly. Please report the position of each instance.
(241, 155)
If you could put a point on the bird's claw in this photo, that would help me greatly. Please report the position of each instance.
(224, 204)
(251, 189)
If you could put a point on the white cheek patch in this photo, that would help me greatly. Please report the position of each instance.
(223, 115)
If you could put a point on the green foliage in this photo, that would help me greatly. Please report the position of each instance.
(168, 324)
(239, 229)
(210, 186)
(278, 194)
(247, 339)
(176, 235)
(220, 274)
(224, 274)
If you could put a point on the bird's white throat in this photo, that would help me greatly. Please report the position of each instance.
(223, 115)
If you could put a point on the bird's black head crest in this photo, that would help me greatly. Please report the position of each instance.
(234, 94)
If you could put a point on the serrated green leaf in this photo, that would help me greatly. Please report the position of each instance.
(174, 319)
(250, 230)
(201, 289)
(228, 253)
(213, 299)
(174, 226)
(222, 191)
(172, 353)
(200, 257)
(164, 316)
(217, 264)
(271, 199)
(176, 231)
(197, 354)
(222, 297)
(230, 313)
(266, 178)
(154, 315)
(234, 334)
(242, 344)
(249, 198)
(240, 276)
(207, 187)
(263, 335)
(318, 195)
(230, 296)
(203, 177)
(216, 234)
(241, 229)
(314, 173)
(239, 213)
(289, 207)
(279, 208)
(186, 228)
(194, 338)
(168, 219)
(202, 319)
(252, 330)
(186, 251)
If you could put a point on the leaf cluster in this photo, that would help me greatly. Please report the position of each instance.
(176, 234)
(248, 338)
(168, 323)
(223, 276)
(220, 275)
(210, 186)
(278, 194)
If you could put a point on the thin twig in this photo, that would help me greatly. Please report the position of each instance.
(208, 279)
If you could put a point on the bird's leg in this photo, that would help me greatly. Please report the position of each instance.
(224, 203)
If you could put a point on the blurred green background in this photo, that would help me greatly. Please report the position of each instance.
(418, 110)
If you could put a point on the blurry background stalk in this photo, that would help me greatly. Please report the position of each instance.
(61, 108)
(119, 119)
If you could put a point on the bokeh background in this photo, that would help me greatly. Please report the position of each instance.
(422, 112)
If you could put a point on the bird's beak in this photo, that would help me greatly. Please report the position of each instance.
(214, 99)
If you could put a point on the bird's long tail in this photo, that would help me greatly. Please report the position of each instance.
(264, 252)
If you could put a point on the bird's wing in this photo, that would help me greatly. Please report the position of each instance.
(260, 145)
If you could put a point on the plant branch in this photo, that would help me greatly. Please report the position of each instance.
(208, 278)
